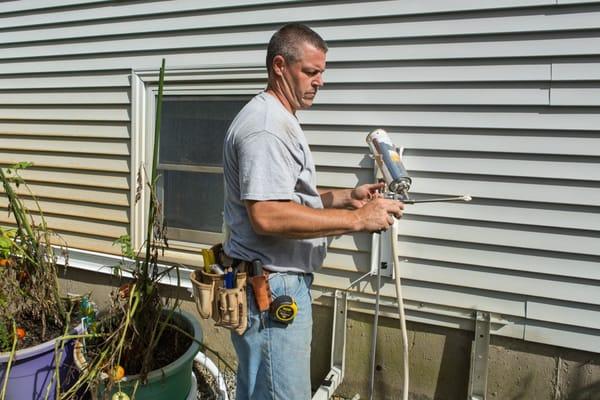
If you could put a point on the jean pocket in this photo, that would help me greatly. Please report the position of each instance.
(278, 284)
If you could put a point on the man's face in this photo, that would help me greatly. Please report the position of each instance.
(303, 78)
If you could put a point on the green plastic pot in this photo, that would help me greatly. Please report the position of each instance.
(172, 382)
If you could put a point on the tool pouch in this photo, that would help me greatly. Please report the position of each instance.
(227, 307)
(205, 286)
(231, 306)
(262, 291)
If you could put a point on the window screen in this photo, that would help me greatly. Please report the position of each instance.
(191, 163)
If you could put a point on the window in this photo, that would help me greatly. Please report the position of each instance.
(191, 164)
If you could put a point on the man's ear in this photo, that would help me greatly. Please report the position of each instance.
(279, 65)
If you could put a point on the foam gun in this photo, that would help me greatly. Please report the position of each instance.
(389, 160)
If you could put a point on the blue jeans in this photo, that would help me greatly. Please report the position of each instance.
(274, 358)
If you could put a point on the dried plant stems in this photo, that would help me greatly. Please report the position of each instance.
(154, 174)
(136, 321)
(32, 249)
(10, 361)
(18, 210)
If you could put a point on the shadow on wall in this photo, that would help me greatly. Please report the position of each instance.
(590, 392)
(453, 377)
(521, 370)
(523, 392)
(584, 380)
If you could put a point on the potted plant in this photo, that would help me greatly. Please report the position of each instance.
(34, 318)
(141, 346)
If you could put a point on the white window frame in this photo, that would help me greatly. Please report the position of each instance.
(213, 81)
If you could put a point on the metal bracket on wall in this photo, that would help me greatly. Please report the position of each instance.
(480, 349)
(338, 348)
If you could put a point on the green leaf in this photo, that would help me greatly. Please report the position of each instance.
(126, 248)
(21, 165)
(5, 243)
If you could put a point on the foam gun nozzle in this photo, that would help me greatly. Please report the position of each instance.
(465, 198)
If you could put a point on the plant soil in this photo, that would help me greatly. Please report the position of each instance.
(26, 300)
(172, 345)
(33, 332)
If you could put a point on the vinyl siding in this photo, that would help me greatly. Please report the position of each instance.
(75, 129)
(497, 99)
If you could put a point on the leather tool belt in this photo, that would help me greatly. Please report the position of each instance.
(222, 297)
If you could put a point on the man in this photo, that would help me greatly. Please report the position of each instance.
(274, 213)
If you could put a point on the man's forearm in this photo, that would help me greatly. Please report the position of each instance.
(335, 198)
(292, 220)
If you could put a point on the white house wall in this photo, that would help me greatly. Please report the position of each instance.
(497, 99)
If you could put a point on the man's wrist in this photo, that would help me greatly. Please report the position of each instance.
(357, 224)
(348, 198)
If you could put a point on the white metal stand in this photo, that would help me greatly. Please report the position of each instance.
(480, 350)
(335, 376)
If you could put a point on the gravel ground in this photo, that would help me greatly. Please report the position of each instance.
(207, 385)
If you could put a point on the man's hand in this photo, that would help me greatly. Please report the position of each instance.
(362, 194)
(350, 198)
(378, 214)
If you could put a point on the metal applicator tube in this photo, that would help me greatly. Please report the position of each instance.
(438, 199)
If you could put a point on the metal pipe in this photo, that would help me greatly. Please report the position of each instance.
(374, 338)
(400, 299)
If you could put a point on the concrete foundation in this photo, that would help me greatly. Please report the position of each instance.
(439, 357)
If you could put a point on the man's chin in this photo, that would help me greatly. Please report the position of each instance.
(306, 103)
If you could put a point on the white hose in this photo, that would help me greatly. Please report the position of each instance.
(396, 256)
(214, 371)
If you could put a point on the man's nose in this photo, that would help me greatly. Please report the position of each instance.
(319, 80)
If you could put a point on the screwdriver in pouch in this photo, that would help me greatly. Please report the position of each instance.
(206, 259)
(260, 286)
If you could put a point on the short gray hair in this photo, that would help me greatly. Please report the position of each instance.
(288, 40)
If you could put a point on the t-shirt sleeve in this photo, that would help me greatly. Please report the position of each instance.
(267, 169)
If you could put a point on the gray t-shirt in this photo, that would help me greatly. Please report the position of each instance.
(266, 157)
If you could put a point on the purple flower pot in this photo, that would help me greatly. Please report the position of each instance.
(32, 372)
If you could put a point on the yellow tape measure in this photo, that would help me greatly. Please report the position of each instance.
(283, 309)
